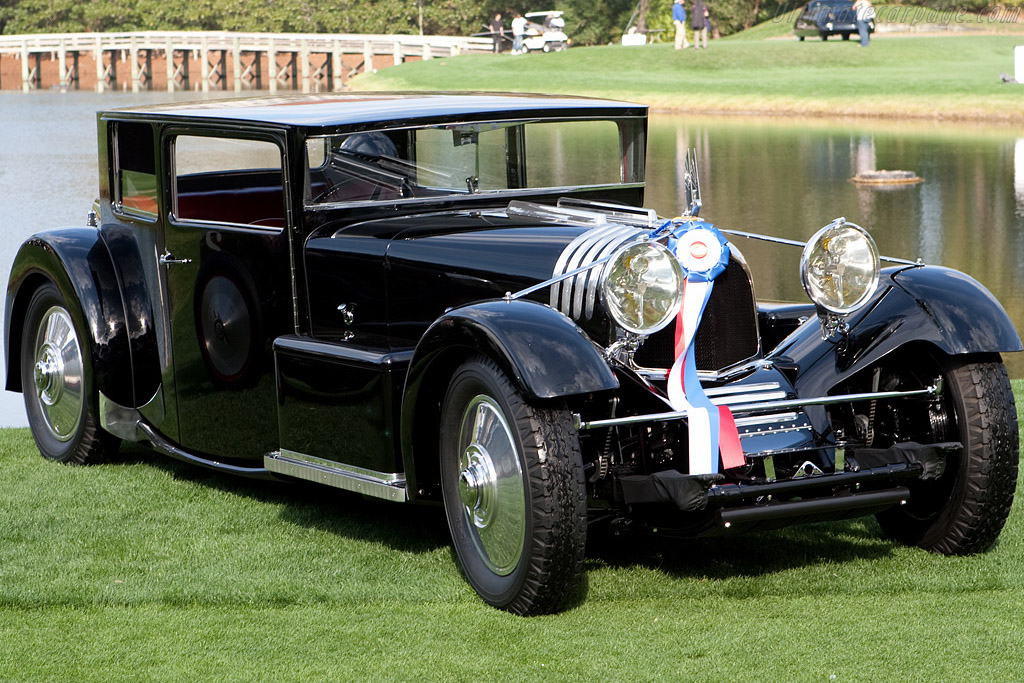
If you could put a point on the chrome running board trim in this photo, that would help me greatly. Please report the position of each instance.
(386, 485)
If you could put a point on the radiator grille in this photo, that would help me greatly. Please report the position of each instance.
(728, 331)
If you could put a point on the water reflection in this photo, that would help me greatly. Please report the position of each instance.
(781, 177)
(790, 178)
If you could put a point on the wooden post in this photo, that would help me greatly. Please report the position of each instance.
(427, 53)
(133, 55)
(272, 66)
(169, 54)
(204, 63)
(236, 58)
(97, 55)
(62, 64)
(398, 56)
(367, 57)
(336, 66)
(304, 66)
(25, 84)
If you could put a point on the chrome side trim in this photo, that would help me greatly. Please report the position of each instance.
(742, 389)
(737, 399)
(386, 485)
(160, 443)
(933, 390)
(765, 419)
(339, 352)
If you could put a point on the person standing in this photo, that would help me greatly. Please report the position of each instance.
(497, 32)
(679, 19)
(699, 24)
(518, 33)
(865, 12)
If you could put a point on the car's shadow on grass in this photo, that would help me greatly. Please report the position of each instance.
(745, 555)
(408, 528)
(421, 529)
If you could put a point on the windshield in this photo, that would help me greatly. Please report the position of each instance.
(463, 159)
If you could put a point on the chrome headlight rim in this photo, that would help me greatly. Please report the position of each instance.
(671, 311)
(805, 262)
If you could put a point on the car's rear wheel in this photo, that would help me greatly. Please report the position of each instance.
(514, 493)
(56, 380)
(965, 509)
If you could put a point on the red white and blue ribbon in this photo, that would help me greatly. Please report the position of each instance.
(703, 253)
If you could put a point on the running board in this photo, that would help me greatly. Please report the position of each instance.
(387, 485)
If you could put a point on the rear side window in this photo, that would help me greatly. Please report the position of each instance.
(135, 166)
(228, 180)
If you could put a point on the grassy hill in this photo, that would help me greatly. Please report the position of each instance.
(941, 77)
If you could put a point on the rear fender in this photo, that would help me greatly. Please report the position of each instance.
(78, 263)
(542, 351)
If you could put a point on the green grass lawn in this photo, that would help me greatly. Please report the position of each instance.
(946, 77)
(147, 569)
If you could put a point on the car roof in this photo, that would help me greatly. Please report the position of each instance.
(354, 108)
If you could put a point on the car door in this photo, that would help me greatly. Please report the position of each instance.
(228, 285)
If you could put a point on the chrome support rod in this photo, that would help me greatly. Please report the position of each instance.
(934, 390)
(564, 276)
(797, 243)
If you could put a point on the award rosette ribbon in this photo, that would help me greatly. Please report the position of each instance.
(703, 253)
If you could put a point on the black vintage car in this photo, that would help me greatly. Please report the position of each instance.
(824, 18)
(410, 297)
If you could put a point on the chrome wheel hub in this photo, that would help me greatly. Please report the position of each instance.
(57, 373)
(491, 487)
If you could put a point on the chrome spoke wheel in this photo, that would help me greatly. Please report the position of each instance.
(57, 374)
(491, 485)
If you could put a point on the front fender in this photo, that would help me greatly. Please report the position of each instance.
(941, 307)
(543, 352)
(77, 261)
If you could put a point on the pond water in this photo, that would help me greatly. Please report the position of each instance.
(777, 176)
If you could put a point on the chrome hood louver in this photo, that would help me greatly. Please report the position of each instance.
(576, 297)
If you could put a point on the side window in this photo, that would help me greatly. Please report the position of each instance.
(135, 166)
(228, 180)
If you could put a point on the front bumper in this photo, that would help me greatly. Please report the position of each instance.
(877, 480)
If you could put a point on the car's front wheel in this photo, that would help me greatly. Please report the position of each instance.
(56, 380)
(514, 493)
(964, 510)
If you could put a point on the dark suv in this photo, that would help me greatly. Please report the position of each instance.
(824, 18)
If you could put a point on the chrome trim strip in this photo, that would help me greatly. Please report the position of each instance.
(339, 351)
(387, 485)
(162, 444)
(742, 388)
(781, 430)
(765, 419)
(736, 399)
(933, 390)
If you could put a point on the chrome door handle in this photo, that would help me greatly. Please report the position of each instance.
(167, 258)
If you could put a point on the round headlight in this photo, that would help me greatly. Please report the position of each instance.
(642, 287)
(839, 267)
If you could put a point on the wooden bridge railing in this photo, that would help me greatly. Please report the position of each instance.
(142, 60)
